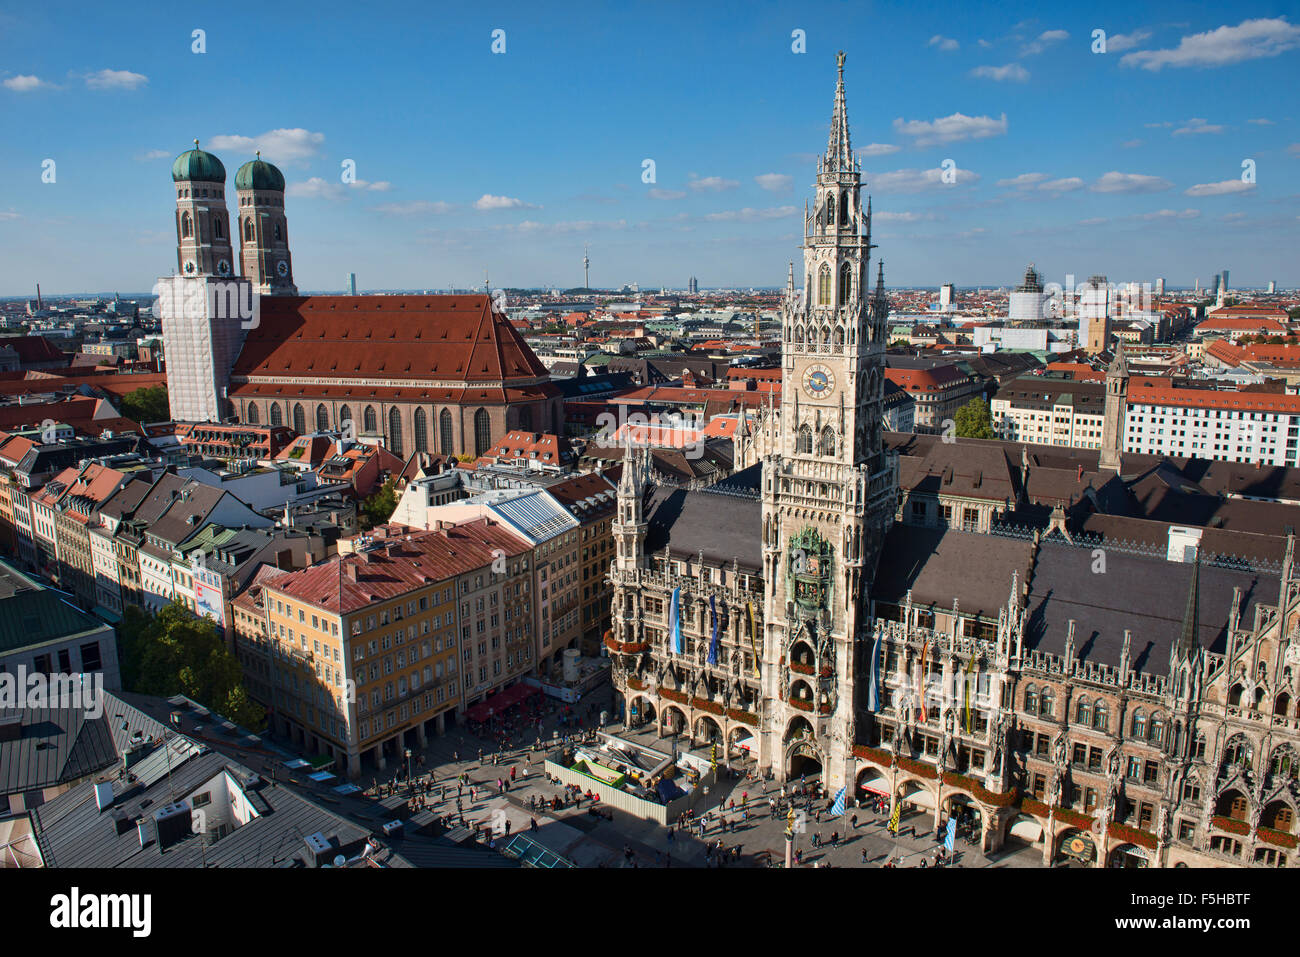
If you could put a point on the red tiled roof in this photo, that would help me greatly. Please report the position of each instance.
(426, 558)
(925, 380)
(386, 337)
(1211, 399)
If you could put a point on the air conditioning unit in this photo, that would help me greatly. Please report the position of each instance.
(171, 823)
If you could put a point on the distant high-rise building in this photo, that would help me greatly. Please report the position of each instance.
(1272, 287)
(352, 284)
(692, 286)
(1226, 287)
(1094, 314)
(946, 297)
(1160, 286)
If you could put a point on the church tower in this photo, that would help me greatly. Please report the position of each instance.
(1115, 411)
(263, 232)
(205, 310)
(829, 489)
(202, 223)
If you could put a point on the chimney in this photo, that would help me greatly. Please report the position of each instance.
(350, 569)
(284, 559)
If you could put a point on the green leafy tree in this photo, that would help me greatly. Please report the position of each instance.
(973, 420)
(379, 507)
(174, 652)
(147, 405)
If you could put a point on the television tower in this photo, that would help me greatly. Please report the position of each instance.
(586, 269)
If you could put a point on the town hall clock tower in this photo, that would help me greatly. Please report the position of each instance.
(829, 487)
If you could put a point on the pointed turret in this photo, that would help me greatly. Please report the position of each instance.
(1189, 642)
(1118, 365)
(839, 151)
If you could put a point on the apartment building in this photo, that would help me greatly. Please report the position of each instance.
(1250, 427)
(1049, 411)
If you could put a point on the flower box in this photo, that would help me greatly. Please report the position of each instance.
(671, 695)
(825, 673)
(878, 755)
(824, 709)
(636, 684)
(748, 717)
(1229, 825)
(712, 707)
(1074, 818)
(1035, 807)
(1280, 838)
(1134, 836)
(801, 669)
(801, 704)
(918, 768)
(978, 791)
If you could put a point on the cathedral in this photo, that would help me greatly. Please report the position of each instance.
(1119, 707)
(440, 374)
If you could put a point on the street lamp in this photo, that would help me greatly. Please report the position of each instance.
(409, 784)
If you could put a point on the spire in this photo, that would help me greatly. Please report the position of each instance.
(1188, 640)
(1118, 365)
(839, 151)
(880, 280)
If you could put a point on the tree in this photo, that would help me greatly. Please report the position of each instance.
(147, 405)
(379, 506)
(173, 652)
(973, 420)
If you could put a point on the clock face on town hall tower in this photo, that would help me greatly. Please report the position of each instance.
(818, 381)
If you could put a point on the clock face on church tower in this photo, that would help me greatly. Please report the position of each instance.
(818, 381)
(282, 268)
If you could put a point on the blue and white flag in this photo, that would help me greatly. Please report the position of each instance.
(837, 809)
(713, 644)
(950, 838)
(873, 679)
(675, 621)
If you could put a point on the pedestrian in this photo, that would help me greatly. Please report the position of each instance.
(532, 825)
(798, 858)
(853, 821)
(512, 774)
(816, 839)
(864, 855)
(744, 798)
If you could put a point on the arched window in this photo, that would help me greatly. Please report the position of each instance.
(253, 414)
(370, 421)
(1099, 715)
(1282, 704)
(218, 230)
(1157, 729)
(1234, 695)
(1140, 724)
(482, 432)
(395, 431)
(322, 418)
(1239, 751)
(1083, 712)
(827, 445)
(248, 230)
(798, 337)
(830, 210)
(446, 446)
(1031, 700)
(846, 282)
(277, 418)
(187, 228)
(421, 431)
(844, 209)
(345, 418)
(803, 443)
(824, 286)
(299, 418)
(1049, 703)
(278, 232)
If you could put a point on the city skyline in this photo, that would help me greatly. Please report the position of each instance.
(435, 202)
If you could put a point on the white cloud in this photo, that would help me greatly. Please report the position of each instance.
(984, 43)
(1094, 221)
(1248, 40)
(751, 215)
(1023, 180)
(712, 184)
(905, 217)
(657, 193)
(1114, 182)
(1171, 214)
(947, 44)
(1294, 149)
(25, 83)
(1067, 185)
(10, 215)
(415, 208)
(562, 228)
(1262, 121)
(1012, 71)
(919, 180)
(115, 80)
(489, 202)
(1129, 144)
(1232, 217)
(775, 182)
(315, 188)
(1197, 125)
(1119, 42)
(1044, 40)
(276, 146)
(951, 129)
(1224, 188)
(878, 149)
(1157, 126)
(153, 155)
(382, 186)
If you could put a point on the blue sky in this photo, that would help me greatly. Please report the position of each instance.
(1126, 163)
